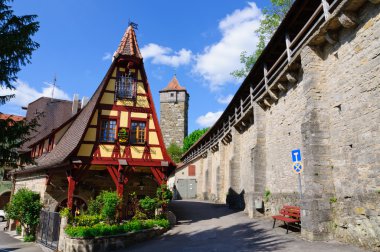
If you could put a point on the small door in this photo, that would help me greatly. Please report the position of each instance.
(186, 189)
(192, 188)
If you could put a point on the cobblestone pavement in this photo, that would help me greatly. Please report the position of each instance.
(203, 226)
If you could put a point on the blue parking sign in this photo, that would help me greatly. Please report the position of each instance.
(296, 155)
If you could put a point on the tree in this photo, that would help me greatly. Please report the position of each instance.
(175, 152)
(13, 134)
(268, 25)
(192, 138)
(16, 47)
(25, 207)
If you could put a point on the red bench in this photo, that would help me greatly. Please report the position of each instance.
(289, 214)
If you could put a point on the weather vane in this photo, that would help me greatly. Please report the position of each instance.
(133, 24)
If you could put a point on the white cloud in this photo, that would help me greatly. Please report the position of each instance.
(24, 94)
(225, 99)
(209, 119)
(107, 56)
(238, 34)
(165, 55)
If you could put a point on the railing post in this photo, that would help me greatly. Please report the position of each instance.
(266, 76)
(326, 7)
(288, 50)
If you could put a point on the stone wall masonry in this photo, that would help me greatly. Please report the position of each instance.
(174, 116)
(332, 113)
(108, 243)
(354, 111)
(215, 176)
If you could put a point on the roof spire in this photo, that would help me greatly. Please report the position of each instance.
(128, 45)
(174, 85)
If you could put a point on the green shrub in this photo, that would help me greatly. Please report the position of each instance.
(267, 194)
(164, 195)
(65, 212)
(102, 229)
(139, 216)
(110, 202)
(105, 205)
(333, 200)
(148, 205)
(29, 238)
(25, 207)
(94, 206)
(18, 229)
(87, 220)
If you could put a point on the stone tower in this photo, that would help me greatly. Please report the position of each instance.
(174, 104)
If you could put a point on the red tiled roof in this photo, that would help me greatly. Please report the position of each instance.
(174, 85)
(128, 45)
(14, 117)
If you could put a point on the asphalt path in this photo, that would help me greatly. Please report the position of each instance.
(8, 243)
(204, 226)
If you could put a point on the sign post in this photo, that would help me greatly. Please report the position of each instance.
(297, 167)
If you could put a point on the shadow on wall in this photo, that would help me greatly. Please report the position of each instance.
(235, 200)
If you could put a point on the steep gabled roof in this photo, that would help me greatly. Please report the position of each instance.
(74, 133)
(173, 86)
(128, 45)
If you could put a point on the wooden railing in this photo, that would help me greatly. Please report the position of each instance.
(215, 134)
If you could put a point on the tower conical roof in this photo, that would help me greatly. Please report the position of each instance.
(174, 85)
(128, 45)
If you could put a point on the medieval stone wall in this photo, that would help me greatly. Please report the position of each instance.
(332, 113)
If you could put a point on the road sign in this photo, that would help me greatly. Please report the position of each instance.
(297, 167)
(296, 155)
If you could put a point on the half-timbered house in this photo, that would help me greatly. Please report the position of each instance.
(113, 143)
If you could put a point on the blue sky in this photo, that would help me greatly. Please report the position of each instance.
(199, 41)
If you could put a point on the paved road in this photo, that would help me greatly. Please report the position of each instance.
(9, 243)
(207, 227)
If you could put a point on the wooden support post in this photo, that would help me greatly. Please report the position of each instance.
(158, 175)
(266, 76)
(326, 7)
(288, 50)
(120, 182)
(251, 94)
(70, 191)
(272, 95)
(281, 87)
(348, 19)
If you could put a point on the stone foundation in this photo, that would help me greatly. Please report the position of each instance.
(109, 243)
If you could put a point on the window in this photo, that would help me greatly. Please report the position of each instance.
(108, 131)
(125, 87)
(138, 133)
(191, 170)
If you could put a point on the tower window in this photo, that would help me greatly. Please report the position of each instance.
(108, 131)
(125, 87)
(138, 132)
(171, 94)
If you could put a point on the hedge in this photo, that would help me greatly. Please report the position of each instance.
(102, 229)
